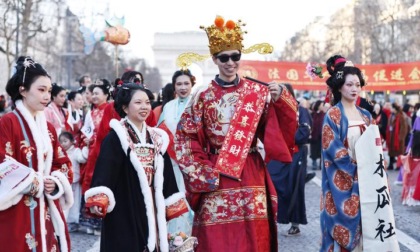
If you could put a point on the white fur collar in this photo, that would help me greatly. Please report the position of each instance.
(70, 119)
(141, 135)
(41, 136)
(159, 138)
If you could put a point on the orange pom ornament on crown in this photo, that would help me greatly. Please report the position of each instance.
(230, 25)
(221, 39)
(219, 22)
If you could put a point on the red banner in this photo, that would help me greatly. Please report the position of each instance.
(379, 77)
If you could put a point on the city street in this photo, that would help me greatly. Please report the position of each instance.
(407, 223)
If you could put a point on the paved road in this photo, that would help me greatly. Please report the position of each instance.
(407, 220)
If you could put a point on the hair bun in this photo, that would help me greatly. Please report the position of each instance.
(24, 62)
(335, 62)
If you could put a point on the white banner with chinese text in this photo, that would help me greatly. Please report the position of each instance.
(378, 224)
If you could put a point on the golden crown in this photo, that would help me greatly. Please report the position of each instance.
(224, 36)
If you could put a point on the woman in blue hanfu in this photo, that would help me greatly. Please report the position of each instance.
(182, 83)
(343, 124)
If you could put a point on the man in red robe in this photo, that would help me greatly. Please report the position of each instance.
(227, 182)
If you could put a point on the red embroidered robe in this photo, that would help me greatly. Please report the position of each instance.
(15, 228)
(87, 171)
(230, 214)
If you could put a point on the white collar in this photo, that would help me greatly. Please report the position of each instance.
(141, 135)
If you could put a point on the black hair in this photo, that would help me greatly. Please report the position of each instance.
(124, 95)
(2, 103)
(130, 77)
(317, 104)
(81, 90)
(27, 72)
(91, 87)
(407, 107)
(396, 106)
(67, 135)
(168, 94)
(105, 86)
(72, 95)
(181, 72)
(56, 89)
(336, 66)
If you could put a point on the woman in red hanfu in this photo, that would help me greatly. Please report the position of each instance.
(55, 112)
(227, 183)
(100, 97)
(75, 115)
(31, 208)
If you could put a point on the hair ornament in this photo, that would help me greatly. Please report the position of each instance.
(28, 62)
(314, 70)
(339, 75)
(339, 60)
(349, 64)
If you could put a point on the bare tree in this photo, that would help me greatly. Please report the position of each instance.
(8, 30)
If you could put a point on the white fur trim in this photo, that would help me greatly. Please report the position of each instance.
(59, 225)
(41, 185)
(105, 190)
(160, 202)
(14, 196)
(59, 186)
(40, 135)
(67, 201)
(174, 198)
(144, 186)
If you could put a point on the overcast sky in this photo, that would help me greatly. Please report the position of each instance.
(267, 21)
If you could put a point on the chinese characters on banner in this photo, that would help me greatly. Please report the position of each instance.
(379, 77)
(378, 224)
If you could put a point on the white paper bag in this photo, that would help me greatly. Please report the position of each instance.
(12, 175)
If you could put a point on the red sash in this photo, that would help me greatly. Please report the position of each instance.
(170, 150)
(249, 108)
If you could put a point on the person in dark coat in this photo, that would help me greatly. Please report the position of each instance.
(289, 179)
(317, 118)
(133, 186)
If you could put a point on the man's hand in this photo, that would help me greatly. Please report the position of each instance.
(275, 90)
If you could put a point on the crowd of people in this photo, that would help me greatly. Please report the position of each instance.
(109, 159)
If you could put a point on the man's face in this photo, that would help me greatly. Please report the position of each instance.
(86, 82)
(228, 63)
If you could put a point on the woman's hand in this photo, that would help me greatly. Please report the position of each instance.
(96, 210)
(49, 186)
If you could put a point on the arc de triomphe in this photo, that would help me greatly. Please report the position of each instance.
(167, 47)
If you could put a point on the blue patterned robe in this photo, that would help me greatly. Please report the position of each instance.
(340, 206)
